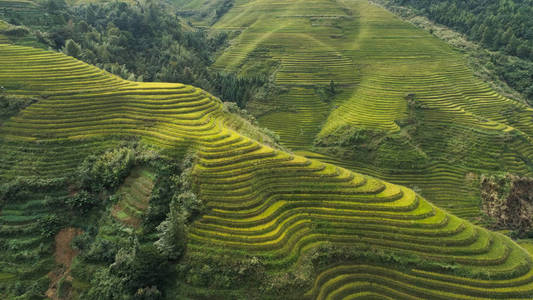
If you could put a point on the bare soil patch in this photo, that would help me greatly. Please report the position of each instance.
(64, 254)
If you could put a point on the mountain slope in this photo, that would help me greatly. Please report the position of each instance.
(394, 80)
(263, 203)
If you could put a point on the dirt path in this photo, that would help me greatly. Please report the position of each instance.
(64, 254)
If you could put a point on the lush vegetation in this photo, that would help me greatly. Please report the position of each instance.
(141, 41)
(171, 193)
(502, 26)
(122, 263)
(499, 25)
(429, 122)
(137, 265)
(202, 13)
(236, 219)
(10, 105)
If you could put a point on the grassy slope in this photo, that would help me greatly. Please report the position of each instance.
(262, 201)
(133, 196)
(377, 59)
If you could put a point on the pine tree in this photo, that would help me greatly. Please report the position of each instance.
(332, 87)
(171, 233)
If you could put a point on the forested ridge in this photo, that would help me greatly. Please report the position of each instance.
(505, 25)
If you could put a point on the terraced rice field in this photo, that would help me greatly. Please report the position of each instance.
(133, 197)
(262, 201)
(19, 6)
(303, 37)
(378, 59)
(26, 254)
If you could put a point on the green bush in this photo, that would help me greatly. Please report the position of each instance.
(101, 251)
(106, 171)
(135, 273)
(82, 202)
(172, 234)
(11, 105)
(50, 225)
(105, 286)
(18, 31)
(190, 205)
(167, 184)
(72, 49)
(148, 293)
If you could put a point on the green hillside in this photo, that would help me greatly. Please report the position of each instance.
(380, 199)
(500, 26)
(305, 41)
(13, 7)
(394, 82)
(276, 224)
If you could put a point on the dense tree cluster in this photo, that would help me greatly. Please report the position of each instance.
(124, 264)
(107, 170)
(505, 26)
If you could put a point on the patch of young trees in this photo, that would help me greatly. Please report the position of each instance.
(138, 270)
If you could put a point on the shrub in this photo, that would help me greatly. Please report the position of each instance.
(189, 204)
(82, 241)
(11, 105)
(105, 286)
(149, 268)
(326, 93)
(233, 108)
(50, 225)
(72, 49)
(101, 250)
(148, 293)
(17, 31)
(82, 202)
(167, 183)
(134, 272)
(172, 234)
(107, 170)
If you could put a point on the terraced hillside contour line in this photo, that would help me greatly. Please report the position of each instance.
(262, 201)
(463, 126)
